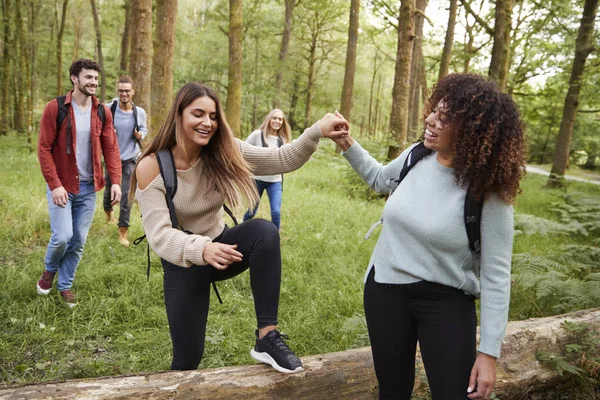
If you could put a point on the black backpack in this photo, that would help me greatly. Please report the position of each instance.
(136, 127)
(63, 112)
(166, 164)
(472, 209)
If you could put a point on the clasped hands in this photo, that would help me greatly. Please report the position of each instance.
(336, 128)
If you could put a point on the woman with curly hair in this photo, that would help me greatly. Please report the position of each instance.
(423, 278)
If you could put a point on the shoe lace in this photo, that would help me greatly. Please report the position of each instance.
(277, 343)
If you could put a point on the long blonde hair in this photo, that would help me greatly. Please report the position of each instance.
(223, 162)
(284, 132)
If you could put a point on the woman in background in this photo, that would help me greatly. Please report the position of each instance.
(274, 132)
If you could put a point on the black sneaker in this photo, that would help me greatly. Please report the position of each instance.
(272, 350)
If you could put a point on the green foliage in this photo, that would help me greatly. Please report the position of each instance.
(579, 357)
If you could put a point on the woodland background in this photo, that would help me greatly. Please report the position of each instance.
(374, 60)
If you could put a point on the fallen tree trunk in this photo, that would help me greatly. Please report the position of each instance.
(344, 375)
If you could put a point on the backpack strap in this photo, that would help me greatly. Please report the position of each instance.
(473, 208)
(263, 143)
(416, 154)
(63, 112)
(102, 113)
(113, 110)
(166, 163)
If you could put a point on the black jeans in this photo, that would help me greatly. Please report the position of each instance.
(442, 319)
(127, 167)
(187, 290)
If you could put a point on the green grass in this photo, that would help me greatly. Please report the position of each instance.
(120, 326)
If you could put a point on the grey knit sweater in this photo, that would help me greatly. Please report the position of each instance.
(424, 237)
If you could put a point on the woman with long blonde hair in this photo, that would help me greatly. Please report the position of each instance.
(213, 168)
(273, 132)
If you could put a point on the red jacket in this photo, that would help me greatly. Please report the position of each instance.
(59, 167)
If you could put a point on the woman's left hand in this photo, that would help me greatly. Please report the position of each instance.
(483, 377)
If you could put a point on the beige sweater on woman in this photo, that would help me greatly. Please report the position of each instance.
(198, 205)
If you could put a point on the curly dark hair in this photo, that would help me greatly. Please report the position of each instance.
(489, 139)
(82, 64)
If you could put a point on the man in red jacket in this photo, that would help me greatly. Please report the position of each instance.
(69, 155)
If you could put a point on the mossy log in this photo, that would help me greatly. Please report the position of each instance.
(343, 375)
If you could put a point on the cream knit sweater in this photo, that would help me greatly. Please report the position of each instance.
(199, 207)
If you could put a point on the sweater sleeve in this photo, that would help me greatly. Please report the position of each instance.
(374, 173)
(497, 230)
(280, 160)
(169, 243)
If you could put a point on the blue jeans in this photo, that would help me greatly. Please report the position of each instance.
(127, 167)
(274, 191)
(69, 226)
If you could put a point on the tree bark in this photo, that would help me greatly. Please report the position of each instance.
(401, 89)
(162, 63)
(20, 59)
(234, 83)
(343, 375)
(414, 107)
(125, 39)
(498, 70)
(140, 62)
(5, 73)
(346, 106)
(449, 40)
(285, 42)
(99, 50)
(583, 47)
(312, 60)
(33, 7)
(61, 31)
(77, 32)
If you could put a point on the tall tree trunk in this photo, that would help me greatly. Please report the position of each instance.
(285, 41)
(255, 83)
(78, 33)
(61, 31)
(33, 7)
(162, 63)
(294, 103)
(401, 89)
(312, 59)
(234, 83)
(469, 48)
(125, 39)
(506, 56)
(99, 50)
(370, 120)
(449, 40)
(140, 62)
(414, 107)
(583, 47)
(498, 70)
(20, 60)
(346, 106)
(5, 84)
(377, 124)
